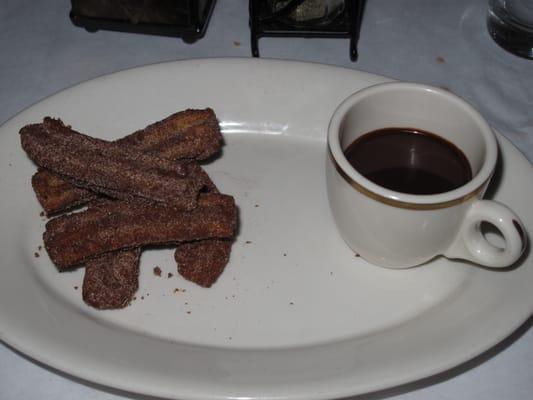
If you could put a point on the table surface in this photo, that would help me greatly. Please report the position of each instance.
(442, 43)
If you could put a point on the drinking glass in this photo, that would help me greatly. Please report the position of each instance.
(510, 23)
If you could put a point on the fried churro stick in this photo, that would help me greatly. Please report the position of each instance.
(109, 168)
(56, 194)
(109, 225)
(202, 262)
(111, 280)
(191, 134)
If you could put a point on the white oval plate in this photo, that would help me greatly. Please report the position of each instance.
(295, 315)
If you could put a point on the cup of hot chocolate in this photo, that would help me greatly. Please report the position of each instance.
(407, 168)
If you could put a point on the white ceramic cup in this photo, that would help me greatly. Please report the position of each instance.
(400, 230)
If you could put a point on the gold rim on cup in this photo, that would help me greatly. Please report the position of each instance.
(403, 204)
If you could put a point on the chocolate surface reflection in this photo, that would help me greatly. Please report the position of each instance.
(409, 161)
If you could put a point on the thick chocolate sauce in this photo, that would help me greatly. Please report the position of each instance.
(409, 161)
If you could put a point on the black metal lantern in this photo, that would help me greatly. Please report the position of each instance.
(181, 18)
(306, 18)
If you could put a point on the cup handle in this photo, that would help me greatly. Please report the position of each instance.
(471, 244)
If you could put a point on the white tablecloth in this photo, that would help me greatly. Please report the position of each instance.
(443, 43)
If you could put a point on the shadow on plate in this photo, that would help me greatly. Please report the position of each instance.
(379, 395)
(448, 374)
